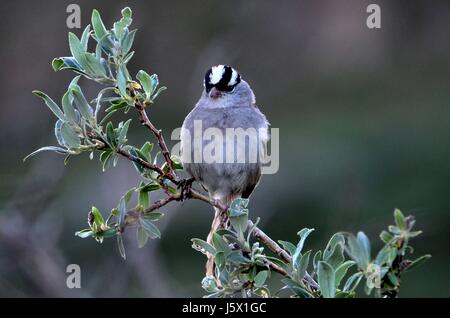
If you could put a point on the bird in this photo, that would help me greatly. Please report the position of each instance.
(227, 103)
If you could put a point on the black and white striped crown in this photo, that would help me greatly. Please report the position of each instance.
(222, 77)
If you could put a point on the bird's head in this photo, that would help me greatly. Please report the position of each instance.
(221, 80)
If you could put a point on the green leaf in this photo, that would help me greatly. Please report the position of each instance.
(107, 233)
(414, 233)
(110, 135)
(139, 154)
(155, 82)
(74, 83)
(98, 218)
(386, 255)
(176, 162)
(145, 151)
(400, 219)
(84, 233)
(67, 62)
(262, 292)
(209, 284)
(80, 102)
(119, 30)
(68, 109)
(159, 91)
(303, 233)
(220, 244)
(104, 159)
(70, 137)
(122, 206)
(141, 236)
(153, 216)
(97, 23)
(288, 246)
(138, 166)
(353, 281)
(151, 230)
(355, 251)
(93, 65)
(121, 27)
(294, 287)
(341, 271)
(316, 259)
(337, 238)
(342, 294)
(77, 49)
(48, 148)
(128, 42)
(238, 208)
(120, 246)
(100, 99)
(200, 245)
(386, 237)
(302, 265)
(336, 256)
(326, 279)
(143, 199)
(128, 57)
(261, 278)
(85, 37)
(58, 135)
(150, 187)
(114, 158)
(235, 212)
(417, 262)
(123, 132)
(116, 105)
(364, 243)
(51, 104)
(239, 222)
(237, 258)
(126, 14)
(57, 64)
(146, 83)
(219, 259)
(122, 82)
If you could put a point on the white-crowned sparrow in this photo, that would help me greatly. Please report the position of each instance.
(226, 106)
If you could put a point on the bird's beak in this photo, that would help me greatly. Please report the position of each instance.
(214, 93)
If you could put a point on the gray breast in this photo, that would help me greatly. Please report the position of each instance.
(221, 173)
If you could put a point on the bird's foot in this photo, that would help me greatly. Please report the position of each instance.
(185, 185)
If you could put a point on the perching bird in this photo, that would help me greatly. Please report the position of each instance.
(227, 102)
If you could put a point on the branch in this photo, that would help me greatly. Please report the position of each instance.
(271, 244)
(147, 165)
(132, 216)
(274, 247)
(145, 121)
(276, 268)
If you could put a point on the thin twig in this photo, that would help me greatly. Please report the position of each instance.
(274, 267)
(145, 121)
(274, 247)
(132, 216)
(147, 165)
(271, 244)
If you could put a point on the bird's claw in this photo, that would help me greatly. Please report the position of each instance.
(185, 185)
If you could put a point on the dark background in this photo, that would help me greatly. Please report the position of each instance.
(364, 122)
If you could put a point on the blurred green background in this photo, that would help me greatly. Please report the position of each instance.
(364, 119)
